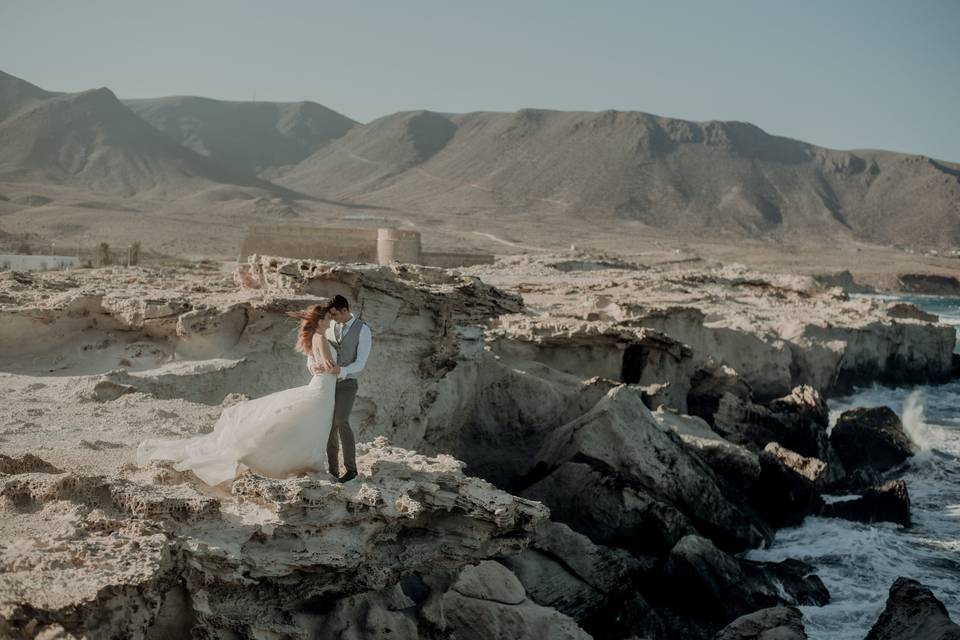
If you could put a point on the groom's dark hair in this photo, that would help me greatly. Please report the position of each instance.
(339, 302)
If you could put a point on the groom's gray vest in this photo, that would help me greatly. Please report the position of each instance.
(347, 346)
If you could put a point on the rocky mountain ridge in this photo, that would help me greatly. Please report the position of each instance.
(91, 140)
(730, 179)
(627, 171)
(247, 136)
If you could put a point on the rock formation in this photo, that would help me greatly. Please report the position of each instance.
(775, 623)
(565, 570)
(756, 425)
(575, 402)
(772, 332)
(913, 611)
(708, 584)
(784, 492)
(645, 489)
(252, 562)
(887, 503)
(737, 464)
(487, 601)
(871, 438)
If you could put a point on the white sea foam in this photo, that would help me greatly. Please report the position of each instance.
(912, 418)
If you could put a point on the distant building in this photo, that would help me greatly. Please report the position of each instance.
(370, 245)
(17, 262)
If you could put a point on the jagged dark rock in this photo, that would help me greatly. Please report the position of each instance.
(550, 583)
(858, 480)
(913, 613)
(774, 623)
(503, 456)
(871, 437)
(888, 503)
(784, 494)
(487, 601)
(478, 601)
(735, 463)
(908, 310)
(798, 421)
(706, 583)
(930, 284)
(597, 503)
(578, 564)
(797, 579)
(708, 386)
(593, 584)
(619, 477)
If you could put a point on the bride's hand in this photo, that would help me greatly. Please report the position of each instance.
(327, 365)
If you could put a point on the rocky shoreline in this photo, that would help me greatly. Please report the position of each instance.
(555, 447)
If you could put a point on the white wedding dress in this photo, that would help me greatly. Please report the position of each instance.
(277, 436)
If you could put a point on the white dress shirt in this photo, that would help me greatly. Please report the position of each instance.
(363, 348)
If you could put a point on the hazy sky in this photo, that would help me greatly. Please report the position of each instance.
(839, 73)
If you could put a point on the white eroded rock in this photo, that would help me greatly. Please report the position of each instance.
(248, 559)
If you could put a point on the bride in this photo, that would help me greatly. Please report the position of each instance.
(278, 435)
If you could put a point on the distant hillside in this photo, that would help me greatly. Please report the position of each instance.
(534, 173)
(719, 178)
(249, 136)
(15, 94)
(92, 141)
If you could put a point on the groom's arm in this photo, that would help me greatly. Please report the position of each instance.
(364, 344)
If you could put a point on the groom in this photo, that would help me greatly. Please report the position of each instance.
(350, 336)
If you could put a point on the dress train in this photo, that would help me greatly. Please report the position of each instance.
(278, 435)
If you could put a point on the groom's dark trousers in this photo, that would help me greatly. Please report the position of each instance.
(345, 394)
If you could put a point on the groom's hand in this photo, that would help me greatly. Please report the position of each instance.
(335, 369)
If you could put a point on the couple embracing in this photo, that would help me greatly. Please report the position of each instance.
(289, 432)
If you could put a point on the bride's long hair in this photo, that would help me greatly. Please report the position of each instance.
(310, 318)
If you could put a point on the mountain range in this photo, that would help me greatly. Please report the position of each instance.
(251, 136)
(573, 170)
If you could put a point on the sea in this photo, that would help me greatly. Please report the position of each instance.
(858, 562)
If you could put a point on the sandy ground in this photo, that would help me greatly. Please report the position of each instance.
(76, 220)
(54, 418)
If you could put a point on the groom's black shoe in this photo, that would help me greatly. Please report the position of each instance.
(348, 476)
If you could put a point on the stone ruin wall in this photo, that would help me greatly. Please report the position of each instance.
(326, 243)
(335, 244)
(18, 262)
(397, 245)
(446, 260)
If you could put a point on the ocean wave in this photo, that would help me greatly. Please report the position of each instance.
(858, 562)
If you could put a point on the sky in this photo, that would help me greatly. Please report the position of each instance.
(845, 74)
